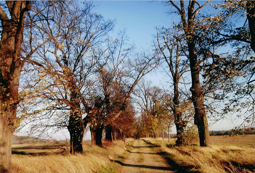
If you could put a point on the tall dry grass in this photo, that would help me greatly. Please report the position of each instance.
(226, 154)
(58, 163)
(94, 158)
(213, 159)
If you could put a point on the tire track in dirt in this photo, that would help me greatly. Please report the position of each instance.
(144, 159)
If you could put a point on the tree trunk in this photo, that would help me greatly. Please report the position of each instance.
(76, 125)
(118, 135)
(251, 18)
(96, 135)
(177, 113)
(178, 118)
(93, 136)
(108, 132)
(168, 134)
(180, 129)
(198, 97)
(10, 67)
(114, 133)
(124, 137)
(99, 131)
(76, 130)
(5, 142)
(8, 120)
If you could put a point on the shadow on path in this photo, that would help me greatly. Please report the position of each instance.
(145, 146)
(146, 166)
(174, 165)
(145, 158)
(144, 153)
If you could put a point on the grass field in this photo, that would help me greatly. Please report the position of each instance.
(42, 158)
(225, 154)
(239, 140)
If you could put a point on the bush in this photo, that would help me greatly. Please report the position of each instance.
(191, 135)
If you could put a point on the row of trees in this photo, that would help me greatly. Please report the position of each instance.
(60, 69)
(156, 116)
(217, 77)
(80, 75)
(192, 46)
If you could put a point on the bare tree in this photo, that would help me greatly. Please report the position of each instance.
(250, 16)
(74, 63)
(156, 116)
(203, 33)
(117, 80)
(12, 27)
(124, 123)
(189, 25)
(13, 58)
(65, 64)
(172, 50)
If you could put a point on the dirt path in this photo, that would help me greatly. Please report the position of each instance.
(143, 159)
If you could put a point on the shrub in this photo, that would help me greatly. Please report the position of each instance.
(191, 135)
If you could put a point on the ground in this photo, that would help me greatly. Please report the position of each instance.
(144, 158)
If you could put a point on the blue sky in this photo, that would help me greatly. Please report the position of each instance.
(139, 19)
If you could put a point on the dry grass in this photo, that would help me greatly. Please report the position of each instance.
(239, 140)
(58, 163)
(93, 159)
(226, 154)
(214, 159)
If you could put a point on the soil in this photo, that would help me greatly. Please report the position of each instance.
(144, 159)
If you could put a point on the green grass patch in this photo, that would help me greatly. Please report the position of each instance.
(154, 144)
(122, 157)
(130, 146)
(170, 145)
(110, 168)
